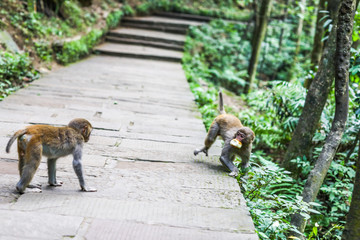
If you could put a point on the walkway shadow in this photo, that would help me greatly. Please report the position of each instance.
(211, 162)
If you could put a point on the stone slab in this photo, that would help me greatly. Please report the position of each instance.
(171, 214)
(9, 42)
(125, 230)
(148, 34)
(144, 52)
(22, 225)
(158, 20)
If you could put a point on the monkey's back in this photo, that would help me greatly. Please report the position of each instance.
(228, 124)
(56, 141)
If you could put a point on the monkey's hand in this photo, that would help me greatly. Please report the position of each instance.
(204, 150)
(88, 189)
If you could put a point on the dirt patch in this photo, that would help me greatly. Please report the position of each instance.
(234, 102)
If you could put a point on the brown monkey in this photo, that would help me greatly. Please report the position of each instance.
(53, 142)
(229, 128)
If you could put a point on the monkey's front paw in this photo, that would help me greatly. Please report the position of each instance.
(197, 151)
(233, 174)
(87, 189)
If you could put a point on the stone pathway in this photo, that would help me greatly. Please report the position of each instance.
(139, 157)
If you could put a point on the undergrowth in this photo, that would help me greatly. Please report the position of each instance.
(218, 9)
(273, 111)
(16, 69)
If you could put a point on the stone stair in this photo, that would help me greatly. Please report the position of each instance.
(160, 37)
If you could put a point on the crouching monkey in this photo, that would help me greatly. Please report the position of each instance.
(237, 139)
(52, 142)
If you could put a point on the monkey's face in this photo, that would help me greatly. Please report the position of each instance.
(245, 135)
(86, 133)
(83, 126)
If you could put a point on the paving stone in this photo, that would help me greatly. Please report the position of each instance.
(170, 214)
(148, 34)
(139, 158)
(126, 50)
(22, 225)
(158, 20)
(125, 230)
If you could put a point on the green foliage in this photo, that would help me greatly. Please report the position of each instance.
(355, 66)
(274, 113)
(274, 109)
(144, 8)
(216, 50)
(128, 10)
(74, 14)
(29, 24)
(44, 51)
(75, 50)
(272, 197)
(356, 30)
(212, 8)
(217, 9)
(206, 101)
(15, 69)
(113, 19)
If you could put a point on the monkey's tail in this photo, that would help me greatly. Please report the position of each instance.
(221, 103)
(15, 136)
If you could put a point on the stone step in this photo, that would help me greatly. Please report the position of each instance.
(148, 35)
(151, 26)
(161, 21)
(144, 43)
(142, 52)
(185, 16)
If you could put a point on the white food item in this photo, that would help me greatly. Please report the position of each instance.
(236, 143)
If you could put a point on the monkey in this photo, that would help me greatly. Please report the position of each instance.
(52, 142)
(231, 130)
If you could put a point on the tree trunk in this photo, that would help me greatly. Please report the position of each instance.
(317, 44)
(256, 45)
(314, 104)
(352, 226)
(342, 64)
(332, 7)
(256, 21)
(50, 7)
(298, 32)
(300, 26)
(285, 14)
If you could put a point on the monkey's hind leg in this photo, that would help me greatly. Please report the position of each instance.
(30, 165)
(21, 154)
(226, 160)
(51, 163)
(210, 139)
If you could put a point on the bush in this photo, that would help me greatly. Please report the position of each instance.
(15, 70)
(113, 19)
(75, 50)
